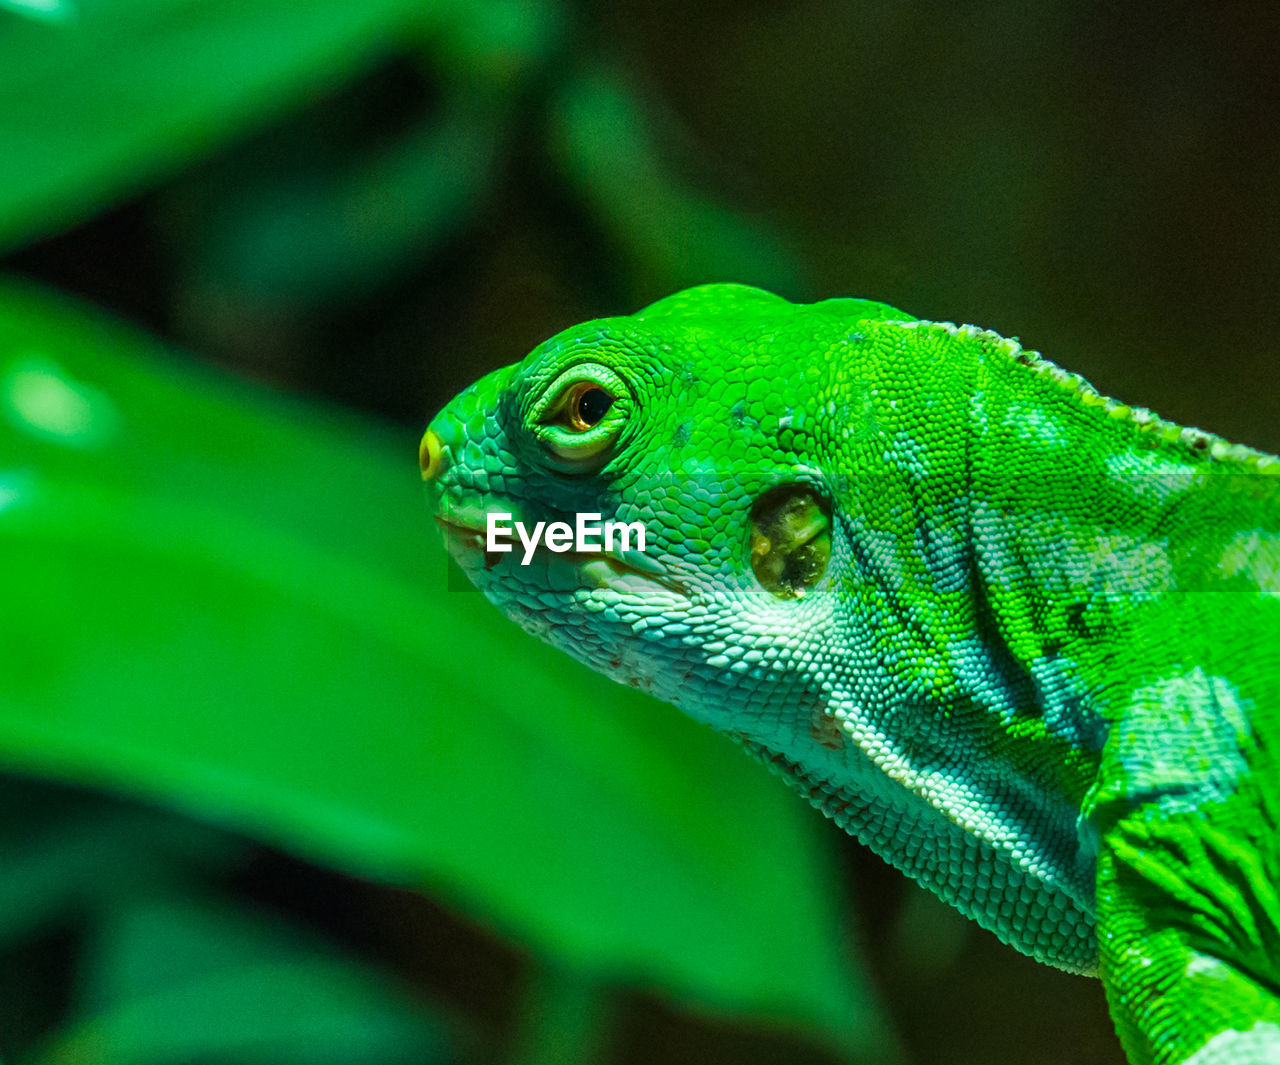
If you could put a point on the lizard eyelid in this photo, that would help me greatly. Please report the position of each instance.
(579, 417)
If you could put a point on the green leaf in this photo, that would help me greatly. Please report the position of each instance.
(192, 980)
(42, 10)
(291, 227)
(673, 234)
(112, 93)
(234, 603)
(66, 858)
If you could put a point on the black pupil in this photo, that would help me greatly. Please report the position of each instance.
(593, 405)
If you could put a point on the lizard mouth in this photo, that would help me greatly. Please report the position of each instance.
(465, 542)
(466, 539)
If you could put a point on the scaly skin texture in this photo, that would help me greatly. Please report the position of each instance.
(1029, 647)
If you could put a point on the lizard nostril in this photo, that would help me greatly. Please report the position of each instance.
(429, 452)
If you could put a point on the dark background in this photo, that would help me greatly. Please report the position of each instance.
(1100, 180)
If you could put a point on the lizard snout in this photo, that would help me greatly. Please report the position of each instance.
(429, 452)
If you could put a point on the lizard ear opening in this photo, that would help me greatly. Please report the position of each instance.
(790, 540)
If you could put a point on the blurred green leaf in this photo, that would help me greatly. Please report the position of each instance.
(323, 213)
(233, 602)
(193, 980)
(64, 864)
(492, 46)
(43, 10)
(97, 104)
(292, 227)
(675, 235)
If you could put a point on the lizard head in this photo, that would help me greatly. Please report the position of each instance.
(797, 571)
(681, 427)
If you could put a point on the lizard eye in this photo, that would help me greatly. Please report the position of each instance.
(585, 405)
(579, 416)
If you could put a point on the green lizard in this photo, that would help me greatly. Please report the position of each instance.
(1021, 640)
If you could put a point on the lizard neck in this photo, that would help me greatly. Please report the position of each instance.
(1010, 566)
(958, 745)
(1107, 543)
